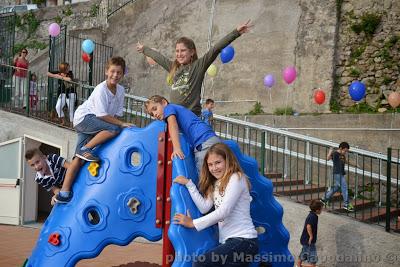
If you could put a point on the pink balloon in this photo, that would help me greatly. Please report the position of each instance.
(54, 29)
(289, 74)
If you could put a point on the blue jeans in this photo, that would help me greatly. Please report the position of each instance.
(309, 253)
(234, 252)
(339, 182)
(89, 127)
(199, 154)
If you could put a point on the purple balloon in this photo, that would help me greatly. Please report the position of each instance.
(269, 80)
(54, 29)
(289, 74)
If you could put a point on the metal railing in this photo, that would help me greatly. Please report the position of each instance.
(294, 162)
(114, 6)
(67, 48)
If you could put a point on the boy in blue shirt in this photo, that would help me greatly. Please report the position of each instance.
(206, 113)
(199, 134)
(309, 235)
(50, 170)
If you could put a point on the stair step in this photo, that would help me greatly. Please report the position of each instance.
(273, 175)
(375, 214)
(302, 189)
(285, 182)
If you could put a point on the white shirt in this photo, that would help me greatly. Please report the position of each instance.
(101, 102)
(232, 209)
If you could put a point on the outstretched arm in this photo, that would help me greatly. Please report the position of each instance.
(212, 54)
(158, 57)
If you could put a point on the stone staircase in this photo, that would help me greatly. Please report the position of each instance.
(364, 210)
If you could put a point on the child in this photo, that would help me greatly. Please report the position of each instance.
(20, 77)
(33, 91)
(66, 91)
(223, 186)
(206, 113)
(50, 170)
(199, 134)
(309, 235)
(186, 72)
(339, 160)
(95, 121)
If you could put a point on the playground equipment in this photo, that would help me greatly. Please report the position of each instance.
(131, 194)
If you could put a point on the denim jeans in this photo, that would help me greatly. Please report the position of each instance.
(200, 154)
(89, 127)
(309, 253)
(339, 182)
(235, 252)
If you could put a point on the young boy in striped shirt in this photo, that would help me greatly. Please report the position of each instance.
(50, 170)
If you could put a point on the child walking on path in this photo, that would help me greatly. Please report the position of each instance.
(96, 121)
(50, 170)
(309, 235)
(186, 72)
(198, 133)
(223, 186)
(207, 112)
(339, 160)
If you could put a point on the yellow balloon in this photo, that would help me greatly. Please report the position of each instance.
(169, 80)
(212, 70)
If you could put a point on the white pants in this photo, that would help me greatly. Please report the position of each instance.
(20, 91)
(70, 101)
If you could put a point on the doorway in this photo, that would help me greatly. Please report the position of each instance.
(36, 200)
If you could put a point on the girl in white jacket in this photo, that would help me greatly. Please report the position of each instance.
(222, 186)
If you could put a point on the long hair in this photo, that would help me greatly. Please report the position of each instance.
(207, 180)
(189, 44)
(63, 67)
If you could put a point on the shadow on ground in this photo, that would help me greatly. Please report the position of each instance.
(139, 264)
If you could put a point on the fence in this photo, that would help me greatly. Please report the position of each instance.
(67, 48)
(297, 164)
(7, 37)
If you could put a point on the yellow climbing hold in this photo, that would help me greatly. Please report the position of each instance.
(93, 168)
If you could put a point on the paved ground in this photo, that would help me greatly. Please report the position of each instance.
(16, 244)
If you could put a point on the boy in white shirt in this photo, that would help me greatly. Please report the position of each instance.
(96, 122)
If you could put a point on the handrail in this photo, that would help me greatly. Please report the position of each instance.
(286, 133)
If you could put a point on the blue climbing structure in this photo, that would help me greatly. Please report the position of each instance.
(118, 201)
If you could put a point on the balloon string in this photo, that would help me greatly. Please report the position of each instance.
(270, 96)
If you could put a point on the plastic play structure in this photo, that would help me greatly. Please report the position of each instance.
(130, 194)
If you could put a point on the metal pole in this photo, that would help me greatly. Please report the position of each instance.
(262, 151)
(388, 187)
(91, 69)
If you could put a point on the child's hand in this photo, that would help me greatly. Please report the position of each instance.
(139, 47)
(177, 153)
(245, 27)
(53, 200)
(309, 240)
(185, 220)
(181, 180)
(127, 125)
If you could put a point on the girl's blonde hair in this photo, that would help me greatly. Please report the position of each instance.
(189, 44)
(207, 180)
(154, 99)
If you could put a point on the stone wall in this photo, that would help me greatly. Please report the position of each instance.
(367, 55)
(285, 33)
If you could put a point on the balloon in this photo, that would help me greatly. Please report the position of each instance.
(212, 70)
(289, 74)
(88, 46)
(357, 90)
(319, 96)
(394, 99)
(227, 54)
(85, 57)
(54, 29)
(269, 80)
